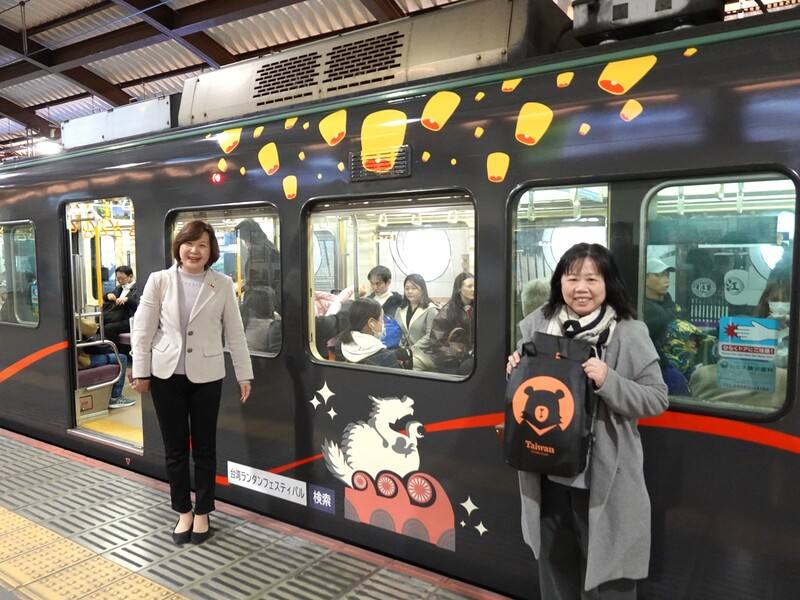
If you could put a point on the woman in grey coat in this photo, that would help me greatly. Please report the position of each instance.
(591, 533)
(415, 317)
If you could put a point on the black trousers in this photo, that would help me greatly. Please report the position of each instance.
(565, 539)
(183, 407)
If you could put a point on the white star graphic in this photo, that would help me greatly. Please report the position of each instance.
(325, 392)
(462, 524)
(481, 529)
(332, 413)
(469, 506)
(314, 402)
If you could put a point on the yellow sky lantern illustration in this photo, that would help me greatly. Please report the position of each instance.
(453, 162)
(289, 123)
(333, 127)
(301, 155)
(222, 165)
(229, 139)
(268, 158)
(242, 171)
(382, 134)
(689, 52)
(479, 96)
(584, 129)
(532, 123)
(438, 109)
(305, 125)
(630, 110)
(258, 131)
(426, 156)
(340, 166)
(564, 79)
(497, 166)
(478, 132)
(509, 85)
(290, 187)
(620, 76)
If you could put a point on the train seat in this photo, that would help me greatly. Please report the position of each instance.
(95, 375)
(125, 338)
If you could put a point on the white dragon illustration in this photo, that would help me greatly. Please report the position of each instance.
(373, 446)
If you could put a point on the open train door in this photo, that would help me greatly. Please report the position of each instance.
(104, 295)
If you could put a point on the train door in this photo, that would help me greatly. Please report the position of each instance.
(104, 296)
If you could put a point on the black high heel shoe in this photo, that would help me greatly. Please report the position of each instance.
(184, 536)
(199, 538)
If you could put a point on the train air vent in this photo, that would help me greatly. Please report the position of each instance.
(288, 79)
(400, 168)
(364, 62)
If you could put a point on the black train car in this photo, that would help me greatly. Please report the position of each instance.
(683, 152)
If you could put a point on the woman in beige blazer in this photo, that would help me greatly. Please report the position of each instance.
(415, 317)
(178, 356)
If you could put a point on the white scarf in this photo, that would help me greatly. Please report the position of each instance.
(363, 346)
(588, 328)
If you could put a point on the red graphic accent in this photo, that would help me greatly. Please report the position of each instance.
(526, 139)
(416, 506)
(231, 147)
(27, 361)
(495, 178)
(337, 138)
(272, 170)
(731, 330)
(611, 86)
(297, 463)
(431, 124)
(377, 165)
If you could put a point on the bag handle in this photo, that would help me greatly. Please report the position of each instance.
(529, 349)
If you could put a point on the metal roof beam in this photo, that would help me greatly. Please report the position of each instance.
(98, 86)
(69, 18)
(162, 18)
(384, 10)
(212, 13)
(27, 117)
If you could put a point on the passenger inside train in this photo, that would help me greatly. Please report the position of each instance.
(415, 316)
(453, 330)
(360, 339)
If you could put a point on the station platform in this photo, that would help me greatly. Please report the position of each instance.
(75, 528)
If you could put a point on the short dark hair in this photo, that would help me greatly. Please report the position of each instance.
(616, 293)
(381, 272)
(419, 281)
(124, 269)
(193, 230)
(361, 311)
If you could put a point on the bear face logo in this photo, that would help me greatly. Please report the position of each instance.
(543, 403)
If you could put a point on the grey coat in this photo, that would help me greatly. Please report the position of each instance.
(619, 507)
(419, 332)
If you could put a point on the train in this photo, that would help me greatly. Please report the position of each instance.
(681, 149)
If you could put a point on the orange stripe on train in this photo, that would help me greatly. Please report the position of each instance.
(27, 361)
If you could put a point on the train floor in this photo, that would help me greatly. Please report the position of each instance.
(75, 528)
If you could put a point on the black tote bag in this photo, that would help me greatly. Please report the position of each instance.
(550, 406)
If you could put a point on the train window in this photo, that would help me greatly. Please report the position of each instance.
(715, 290)
(19, 287)
(391, 283)
(546, 222)
(249, 243)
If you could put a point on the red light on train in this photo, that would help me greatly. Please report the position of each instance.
(217, 178)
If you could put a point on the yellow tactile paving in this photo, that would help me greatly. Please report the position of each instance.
(134, 587)
(46, 560)
(25, 539)
(10, 521)
(76, 581)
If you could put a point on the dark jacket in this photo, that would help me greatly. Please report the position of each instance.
(391, 305)
(451, 340)
(657, 316)
(113, 312)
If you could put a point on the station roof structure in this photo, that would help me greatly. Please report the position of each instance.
(62, 59)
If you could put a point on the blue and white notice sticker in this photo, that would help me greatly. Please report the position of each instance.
(748, 337)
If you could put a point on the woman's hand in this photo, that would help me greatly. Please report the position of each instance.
(245, 387)
(596, 370)
(513, 361)
(141, 385)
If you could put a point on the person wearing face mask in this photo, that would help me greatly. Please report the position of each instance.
(361, 338)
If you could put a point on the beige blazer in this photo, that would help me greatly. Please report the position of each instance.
(157, 340)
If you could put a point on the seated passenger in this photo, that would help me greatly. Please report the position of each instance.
(380, 280)
(262, 325)
(119, 305)
(415, 317)
(360, 340)
(452, 333)
(660, 314)
(97, 356)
